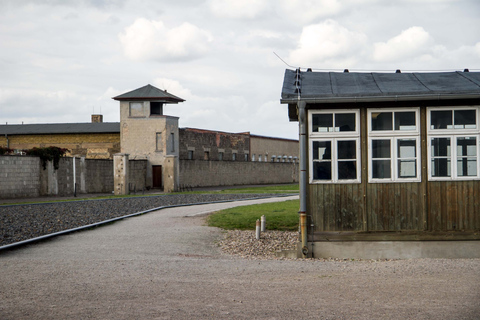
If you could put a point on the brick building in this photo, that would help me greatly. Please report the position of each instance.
(96, 140)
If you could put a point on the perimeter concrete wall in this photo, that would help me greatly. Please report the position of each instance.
(19, 176)
(24, 176)
(198, 173)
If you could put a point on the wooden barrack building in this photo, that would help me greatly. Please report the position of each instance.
(392, 162)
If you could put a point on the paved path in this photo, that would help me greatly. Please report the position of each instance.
(164, 265)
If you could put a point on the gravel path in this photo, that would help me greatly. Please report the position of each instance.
(163, 265)
(22, 222)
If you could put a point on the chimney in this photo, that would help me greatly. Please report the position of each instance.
(97, 118)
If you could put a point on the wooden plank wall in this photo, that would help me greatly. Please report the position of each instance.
(394, 206)
(337, 207)
(450, 206)
(453, 206)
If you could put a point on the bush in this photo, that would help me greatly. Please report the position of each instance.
(47, 154)
(5, 151)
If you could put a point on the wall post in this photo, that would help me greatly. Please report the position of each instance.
(120, 174)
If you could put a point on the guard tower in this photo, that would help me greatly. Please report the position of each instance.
(146, 133)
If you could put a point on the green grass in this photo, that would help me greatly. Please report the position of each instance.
(279, 216)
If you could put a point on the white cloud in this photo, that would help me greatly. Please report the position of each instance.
(325, 41)
(172, 86)
(306, 11)
(237, 9)
(39, 104)
(412, 42)
(151, 40)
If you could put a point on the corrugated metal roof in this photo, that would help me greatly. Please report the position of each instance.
(149, 93)
(337, 87)
(60, 128)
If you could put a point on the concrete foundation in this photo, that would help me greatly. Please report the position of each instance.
(395, 249)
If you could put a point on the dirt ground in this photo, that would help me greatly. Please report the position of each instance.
(165, 265)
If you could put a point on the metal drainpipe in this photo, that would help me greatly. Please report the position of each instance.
(303, 176)
(8, 142)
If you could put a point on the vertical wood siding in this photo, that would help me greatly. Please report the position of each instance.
(450, 206)
(453, 205)
(394, 206)
(337, 207)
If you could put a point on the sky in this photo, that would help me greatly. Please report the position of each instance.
(62, 61)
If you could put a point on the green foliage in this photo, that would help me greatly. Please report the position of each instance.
(279, 216)
(47, 154)
(5, 151)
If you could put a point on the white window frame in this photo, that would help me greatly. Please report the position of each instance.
(314, 134)
(394, 135)
(453, 133)
(334, 160)
(393, 132)
(394, 177)
(335, 136)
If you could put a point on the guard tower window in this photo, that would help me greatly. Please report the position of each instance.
(136, 109)
(156, 108)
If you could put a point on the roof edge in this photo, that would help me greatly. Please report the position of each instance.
(393, 98)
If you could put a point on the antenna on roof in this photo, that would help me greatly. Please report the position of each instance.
(282, 60)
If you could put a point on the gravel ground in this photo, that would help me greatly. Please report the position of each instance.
(22, 222)
(243, 243)
(164, 265)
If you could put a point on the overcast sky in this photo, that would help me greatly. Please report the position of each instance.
(61, 60)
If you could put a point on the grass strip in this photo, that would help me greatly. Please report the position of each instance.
(281, 216)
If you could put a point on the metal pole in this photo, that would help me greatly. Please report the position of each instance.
(74, 179)
(263, 220)
(257, 229)
(303, 175)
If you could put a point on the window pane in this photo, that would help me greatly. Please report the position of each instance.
(347, 170)
(405, 120)
(467, 167)
(465, 119)
(407, 148)
(467, 146)
(441, 147)
(382, 121)
(322, 170)
(322, 150)
(467, 156)
(381, 169)
(345, 122)
(441, 119)
(322, 122)
(380, 149)
(346, 149)
(407, 169)
(441, 167)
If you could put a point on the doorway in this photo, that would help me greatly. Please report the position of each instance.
(157, 177)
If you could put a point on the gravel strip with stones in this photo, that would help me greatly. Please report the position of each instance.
(243, 243)
(22, 222)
